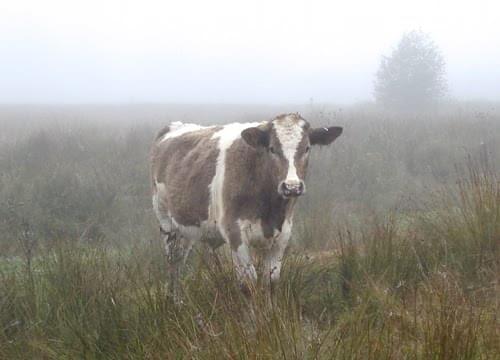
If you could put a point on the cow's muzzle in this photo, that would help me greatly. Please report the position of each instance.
(291, 189)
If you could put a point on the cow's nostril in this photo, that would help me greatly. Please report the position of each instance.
(301, 187)
(285, 188)
(292, 189)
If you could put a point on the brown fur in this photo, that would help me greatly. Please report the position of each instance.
(253, 170)
(186, 166)
(258, 190)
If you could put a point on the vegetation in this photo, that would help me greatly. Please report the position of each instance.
(413, 77)
(396, 250)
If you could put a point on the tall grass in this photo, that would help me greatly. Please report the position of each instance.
(386, 292)
(82, 272)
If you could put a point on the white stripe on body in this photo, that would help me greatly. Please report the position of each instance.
(226, 137)
(241, 256)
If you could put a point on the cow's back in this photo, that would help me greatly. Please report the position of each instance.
(183, 165)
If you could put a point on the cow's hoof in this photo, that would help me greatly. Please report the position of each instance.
(245, 289)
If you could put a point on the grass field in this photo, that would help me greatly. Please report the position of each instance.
(395, 253)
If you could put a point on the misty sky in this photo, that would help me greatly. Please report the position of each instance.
(228, 51)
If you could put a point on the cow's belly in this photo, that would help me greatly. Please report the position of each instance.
(207, 232)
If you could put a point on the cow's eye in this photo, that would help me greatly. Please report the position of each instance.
(307, 149)
(271, 150)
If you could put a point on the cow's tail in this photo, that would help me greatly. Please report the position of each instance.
(172, 127)
(162, 133)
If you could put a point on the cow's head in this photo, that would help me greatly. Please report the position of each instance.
(285, 142)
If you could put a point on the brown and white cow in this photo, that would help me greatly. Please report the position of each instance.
(235, 184)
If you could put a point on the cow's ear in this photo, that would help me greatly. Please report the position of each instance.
(324, 136)
(255, 137)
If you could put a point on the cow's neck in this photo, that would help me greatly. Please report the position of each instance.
(279, 210)
(274, 208)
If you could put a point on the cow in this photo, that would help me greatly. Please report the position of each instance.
(233, 184)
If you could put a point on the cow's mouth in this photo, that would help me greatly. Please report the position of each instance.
(290, 194)
(291, 190)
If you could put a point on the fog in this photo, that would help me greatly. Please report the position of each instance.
(229, 52)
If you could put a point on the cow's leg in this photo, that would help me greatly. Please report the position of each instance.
(171, 240)
(245, 269)
(242, 260)
(273, 258)
(174, 258)
(186, 246)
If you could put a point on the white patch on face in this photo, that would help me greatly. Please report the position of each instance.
(177, 129)
(226, 137)
(289, 135)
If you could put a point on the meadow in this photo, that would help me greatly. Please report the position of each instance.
(395, 251)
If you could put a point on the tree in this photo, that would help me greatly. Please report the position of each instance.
(413, 77)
